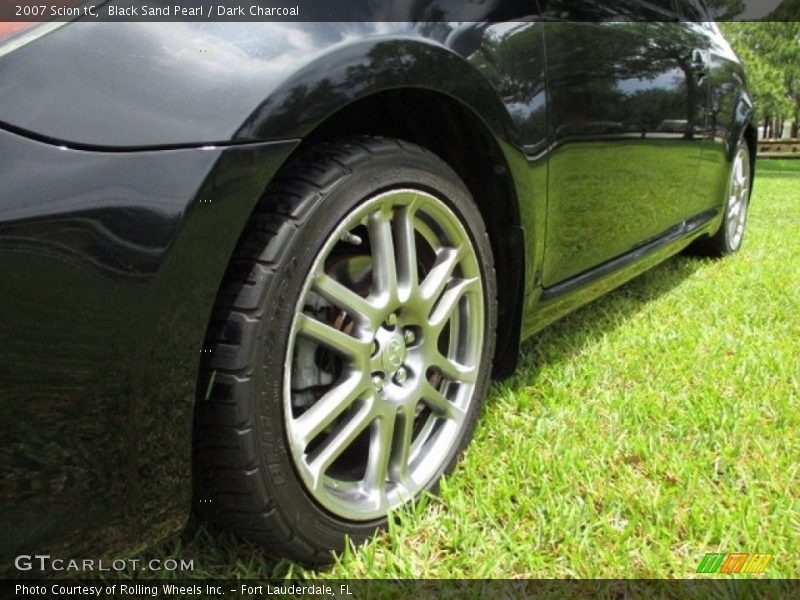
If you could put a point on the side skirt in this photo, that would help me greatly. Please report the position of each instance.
(562, 298)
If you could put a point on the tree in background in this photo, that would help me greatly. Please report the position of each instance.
(771, 52)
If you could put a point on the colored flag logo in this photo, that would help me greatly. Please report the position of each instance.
(736, 562)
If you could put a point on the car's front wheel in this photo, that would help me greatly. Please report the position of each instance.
(351, 348)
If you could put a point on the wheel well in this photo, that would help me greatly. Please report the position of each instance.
(751, 137)
(455, 134)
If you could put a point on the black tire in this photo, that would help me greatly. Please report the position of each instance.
(728, 238)
(246, 479)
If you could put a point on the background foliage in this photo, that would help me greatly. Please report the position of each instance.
(771, 51)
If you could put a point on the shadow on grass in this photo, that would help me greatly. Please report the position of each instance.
(218, 555)
(568, 336)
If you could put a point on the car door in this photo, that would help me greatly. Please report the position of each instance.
(626, 122)
(724, 80)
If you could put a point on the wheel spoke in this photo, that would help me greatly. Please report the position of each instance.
(340, 440)
(447, 260)
(453, 370)
(424, 434)
(346, 299)
(406, 246)
(733, 209)
(384, 267)
(325, 411)
(449, 301)
(741, 176)
(332, 338)
(440, 404)
(401, 447)
(380, 448)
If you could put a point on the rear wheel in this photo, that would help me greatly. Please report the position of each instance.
(728, 238)
(352, 345)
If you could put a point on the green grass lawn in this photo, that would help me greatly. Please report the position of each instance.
(657, 424)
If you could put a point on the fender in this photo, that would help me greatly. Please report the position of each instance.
(732, 103)
(356, 70)
(743, 117)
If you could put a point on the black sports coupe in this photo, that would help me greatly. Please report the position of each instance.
(266, 270)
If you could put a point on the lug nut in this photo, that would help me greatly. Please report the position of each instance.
(409, 337)
(377, 382)
(391, 320)
(401, 375)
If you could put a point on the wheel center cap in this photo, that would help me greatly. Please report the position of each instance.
(394, 354)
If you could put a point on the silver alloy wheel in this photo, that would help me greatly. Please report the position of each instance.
(383, 354)
(738, 198)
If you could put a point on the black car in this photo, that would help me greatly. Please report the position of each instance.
(266, 270)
